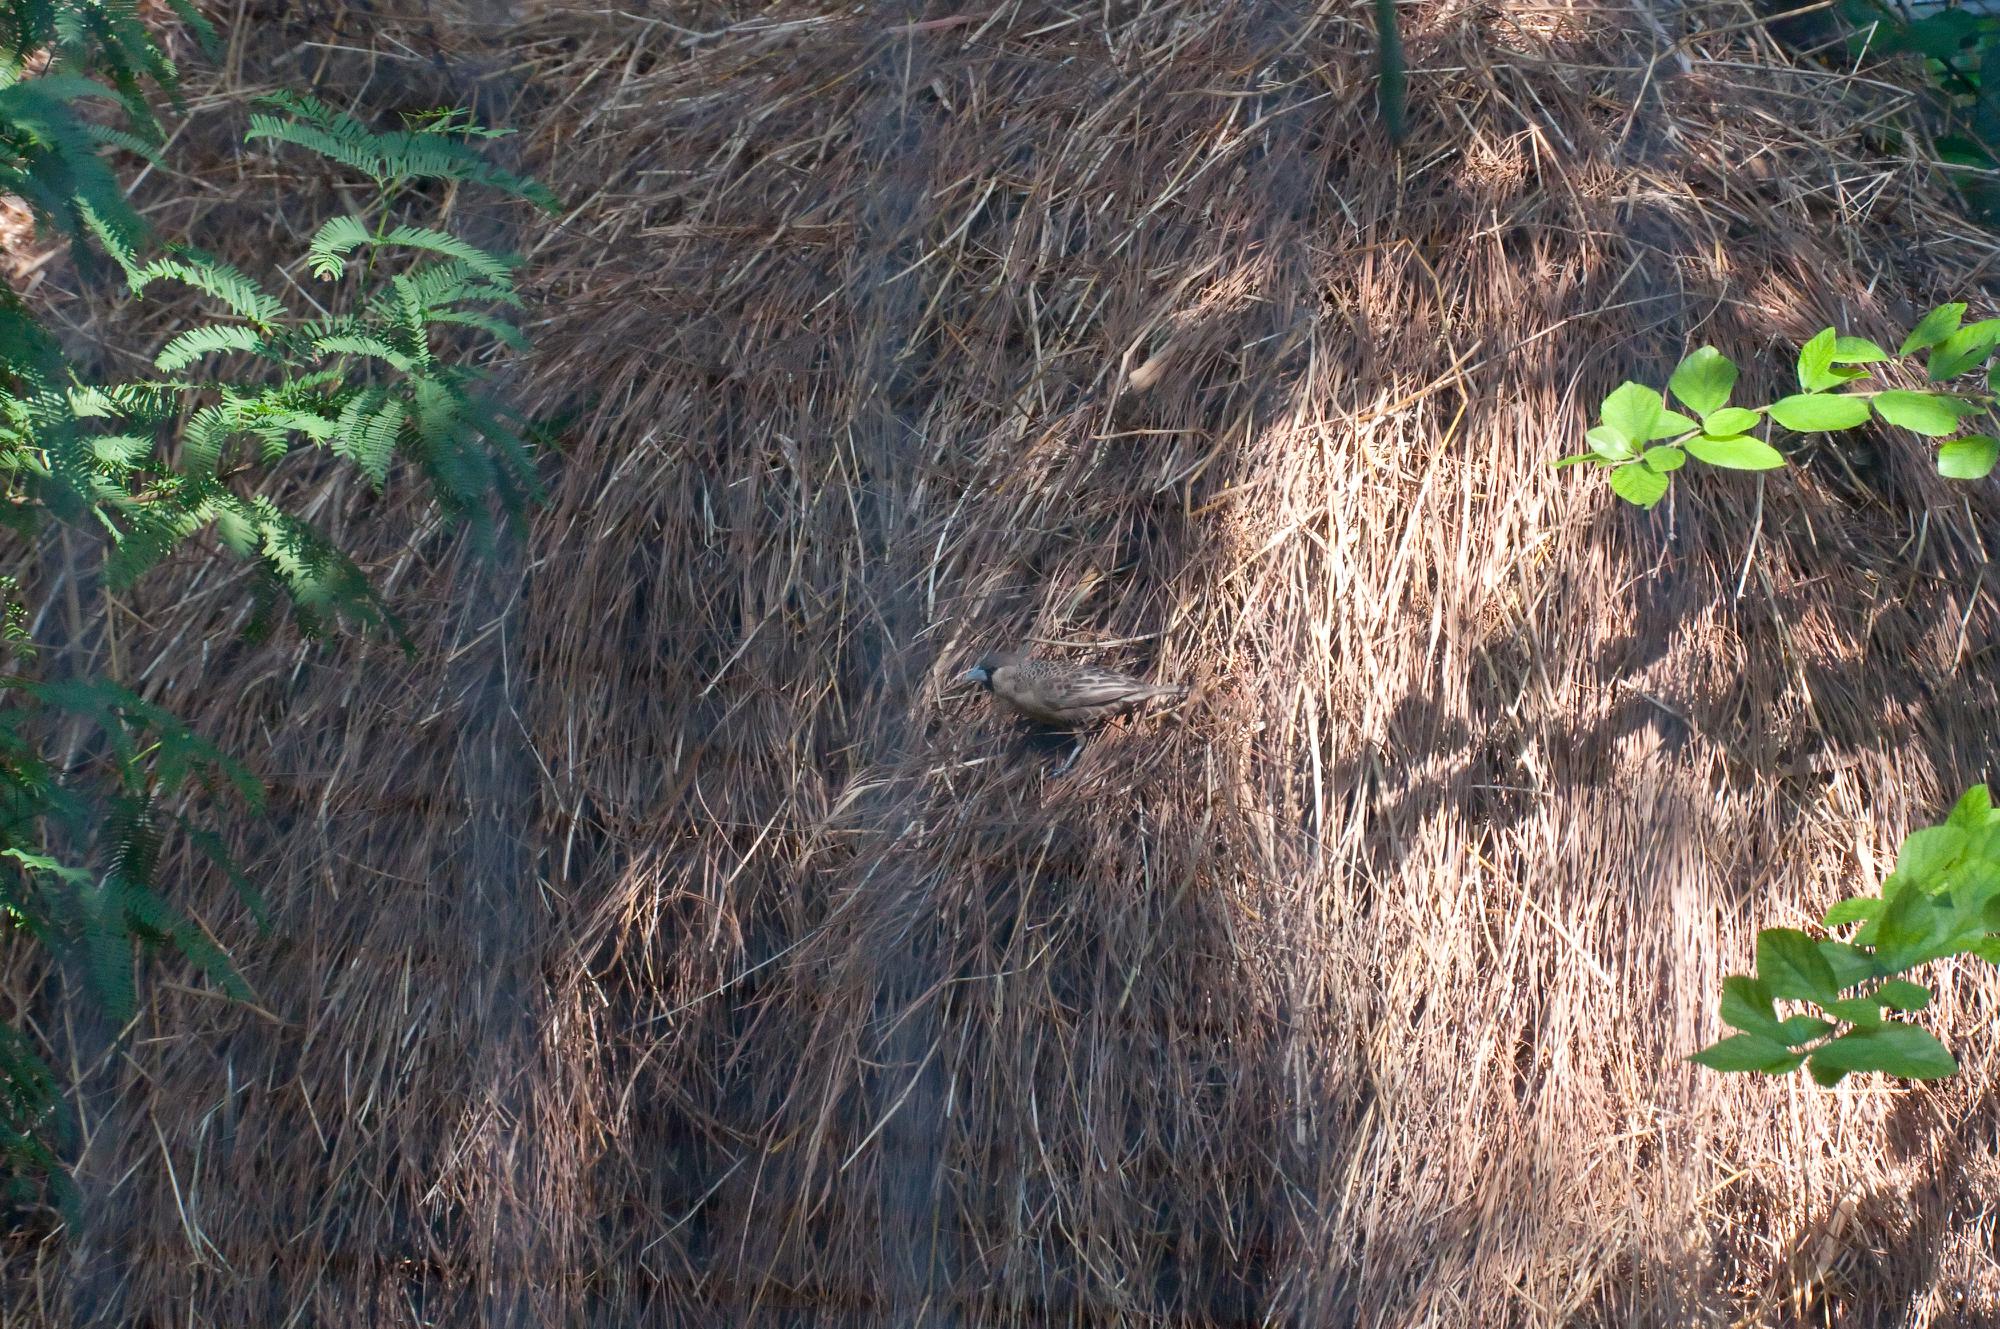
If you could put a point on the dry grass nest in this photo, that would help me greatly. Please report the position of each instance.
(675, 942)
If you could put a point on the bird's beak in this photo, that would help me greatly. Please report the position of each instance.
(975, 676)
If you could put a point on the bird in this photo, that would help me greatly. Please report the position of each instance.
(1067, 696)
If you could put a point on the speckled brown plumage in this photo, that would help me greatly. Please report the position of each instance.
(1071, 696)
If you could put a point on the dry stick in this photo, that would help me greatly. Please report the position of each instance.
(1750, 550)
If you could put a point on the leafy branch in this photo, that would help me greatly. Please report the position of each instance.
(393, 378)
(1641, 441)
(1943, 899)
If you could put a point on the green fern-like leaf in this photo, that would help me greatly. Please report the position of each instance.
(211, 847)
(370, 441)
(208, 432)
(494, 268)
(151, 916)
(145, 540)
(107, 948)
(112, 137)
(321, 129)
(213, 277)
(438, 285)
(208, 339)
(498, 328)
(336, 238)
(365, 344)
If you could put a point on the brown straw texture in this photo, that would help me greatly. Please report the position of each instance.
(676, 940)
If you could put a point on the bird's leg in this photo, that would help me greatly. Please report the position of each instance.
(1070, 760)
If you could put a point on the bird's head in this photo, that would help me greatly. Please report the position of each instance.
(982, 673)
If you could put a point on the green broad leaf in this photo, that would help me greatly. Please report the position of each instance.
(1803, 1029)
(1672, 424)
(1857, 910)
(1899, 994)
(1746, 1005)
(1963, 350)
(1608, 442)
(1924, 413)
(1894, 1049)
(1857, 351)
(1816, 362)
(1789, 965)
(1747, 1052)
(1909, 930)
(1933, 328)
(1850, 964)
(1928, 853)
(1826, 1077)
(1969, 458)
(1729, 421)
(1639, 483)
(1819, 412)
(1664, 459)
(1899, 929)
(1573, 460)
(1973, 811)
(1741, 453)
(1704, 381)
(1859, 1011)
(1633, 411)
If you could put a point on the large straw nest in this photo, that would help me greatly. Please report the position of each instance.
(674, 941)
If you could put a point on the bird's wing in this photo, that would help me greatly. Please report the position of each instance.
(1087, 686)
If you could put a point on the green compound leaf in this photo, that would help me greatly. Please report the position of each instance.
(1729, 421)
(1704, 381)
(1639, 483)
(1933, 328)
(1819, 412)
(1969, 458)
(1740, 453)
(1857, 351)
(1816, 362)
(1748, 1052)
(1789, 965)
(1925, 413)
(1894, 1049)
(1899, 994)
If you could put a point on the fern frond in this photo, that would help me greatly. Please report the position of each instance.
(122, 451)
(363, 344)
(107, 950)
(208, 432)
(447, 282)
(211, 847)
(498, 328)
(495, 268)
(373, 445)
(336, 238)
(150, 914)
(420, 156)
(359, 153)
(143, 542)
(209, 339)
(133, 849)
(112, 137)
(211, 276)
(204, 31)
